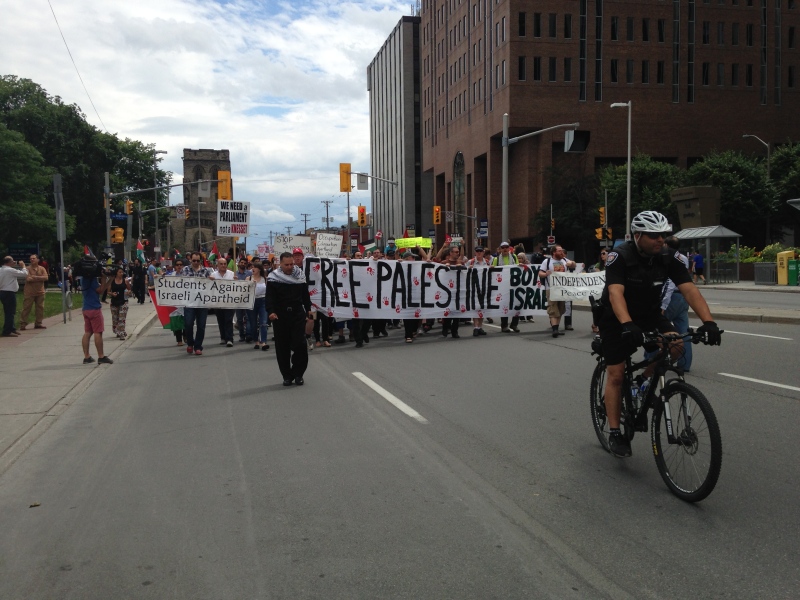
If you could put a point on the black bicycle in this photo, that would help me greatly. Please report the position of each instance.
(684, 431)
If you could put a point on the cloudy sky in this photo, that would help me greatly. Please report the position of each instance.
(282, 85)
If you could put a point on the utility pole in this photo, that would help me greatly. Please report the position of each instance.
(288, 230)
(327, 204)
(305, 221)
(107, 200)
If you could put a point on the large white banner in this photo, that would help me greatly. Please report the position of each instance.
(199, 292)
(386, 289)
(287, 243)
(233, 218)
(329, 245)
(576, 287)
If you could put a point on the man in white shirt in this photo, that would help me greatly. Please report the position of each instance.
(9, 286)
(557, 262)
(479, 261)
(224, 315)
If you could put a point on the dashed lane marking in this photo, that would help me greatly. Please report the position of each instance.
(772, 383)
(391, 398)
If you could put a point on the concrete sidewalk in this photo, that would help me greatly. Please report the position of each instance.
(42, 370)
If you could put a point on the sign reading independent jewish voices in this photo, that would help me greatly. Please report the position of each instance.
(233, 218)
(198, 292)
(576, 286)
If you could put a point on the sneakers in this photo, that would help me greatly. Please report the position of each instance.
(619, 445)
(476, 332)
(505, 330)
(515, 329)
(104, 360)
(454, 335)
(88, 360)
(229, 344)
(189, 349)
(481, 332)
(198, 353)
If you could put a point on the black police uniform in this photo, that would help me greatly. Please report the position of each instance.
(643, 278)
(291, 303)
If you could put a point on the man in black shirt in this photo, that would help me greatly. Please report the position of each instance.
(289, 306)
(635, 275)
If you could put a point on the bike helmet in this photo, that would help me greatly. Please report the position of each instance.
(650, 221)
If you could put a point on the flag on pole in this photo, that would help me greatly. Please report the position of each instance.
(86, 251)
(212, 258)
(405, 233)
(140, 251)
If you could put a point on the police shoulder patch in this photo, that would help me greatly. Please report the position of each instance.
(612, 256)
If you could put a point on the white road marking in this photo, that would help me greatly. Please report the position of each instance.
(391, 398)
(772, 337)
(780, 385)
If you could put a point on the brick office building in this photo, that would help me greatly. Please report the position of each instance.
(699, 73)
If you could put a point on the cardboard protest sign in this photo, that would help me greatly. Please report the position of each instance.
(233, 218)
(287, 243)
(329, 245)
(422, 242)
(576, 286)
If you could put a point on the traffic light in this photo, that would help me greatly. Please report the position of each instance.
(362, 216)
(552, 224)
(117, 235)
(105, 200)
(128, 207)
(344, 177)
(602, 212)
(186, 213)
(437, 215)
(224, 186)
(609, 234)
(599, 233)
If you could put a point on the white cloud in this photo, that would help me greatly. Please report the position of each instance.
(282, 85)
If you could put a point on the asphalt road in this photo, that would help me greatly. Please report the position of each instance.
(187, 477)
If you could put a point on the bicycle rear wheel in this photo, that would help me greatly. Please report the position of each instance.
(690, 467)
(597, 403)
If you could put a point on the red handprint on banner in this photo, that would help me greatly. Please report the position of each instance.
(385, 301)
(344, 295)
(344, 272)
(316, 267)
(417, 313)
(355, 312)
(416, 280)
(369, 297)
(370, 270)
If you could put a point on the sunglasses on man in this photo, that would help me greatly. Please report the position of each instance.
(654, 236)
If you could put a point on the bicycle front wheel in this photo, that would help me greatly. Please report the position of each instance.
(597, 404)
(691, 464)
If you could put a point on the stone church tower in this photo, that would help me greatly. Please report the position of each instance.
(185, 235)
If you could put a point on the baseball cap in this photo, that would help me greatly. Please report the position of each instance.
(504, 245)
(478, 248)
(297, 251)
(408, 254)
(390, 252)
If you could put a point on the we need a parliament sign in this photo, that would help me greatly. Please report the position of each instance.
(233, 218)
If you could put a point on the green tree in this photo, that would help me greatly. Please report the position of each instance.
(785, 174)
(749, 198)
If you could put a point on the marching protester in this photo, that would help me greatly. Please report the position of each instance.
(506, 257)
(289, 307)
(258, 316)
(555, 263)
(522, 259)
(194, 340)
(246, 329)
(298, 256)
(119, 302)
(34, 294)
(138, 282)
(9, 286)
(224, 315)
(478, 261)
(176, 319)
(93, 324)
(450, 255)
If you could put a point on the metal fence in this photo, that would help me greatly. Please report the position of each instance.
(766, 273)
(722, 272)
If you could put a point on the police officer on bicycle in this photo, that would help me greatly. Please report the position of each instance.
(631, 305)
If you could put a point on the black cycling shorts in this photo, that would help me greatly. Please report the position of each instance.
(615, 348)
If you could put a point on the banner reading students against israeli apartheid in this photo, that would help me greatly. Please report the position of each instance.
(198, 292)
(386, 289)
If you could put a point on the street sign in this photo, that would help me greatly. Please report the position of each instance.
(23, 250)
(180, 211)
(378, 234)
(354, 242)
(627, 237)
(483, 228)
(551, 239)
(431, 233)
(448, 216)
(362, 181)
(447, 239)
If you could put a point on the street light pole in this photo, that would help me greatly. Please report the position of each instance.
(157, 246)
(767, 239)
(506, 143)
(629, 105)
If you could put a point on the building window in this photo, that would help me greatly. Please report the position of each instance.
(645, 71)
(748, 75)
(720, 73)
(522, 69)
(537, 68)
(706, 68)
(790, 77)
(614, 29)
(790, 37)
(629, 71)
(552, 25)
(614, 71)
(645, 30)
(567, 69)
(662, 30)
(735, 74)
(720, 33)
(537, 25)
(496, 76)
(734, 34)
(551, 69)
(522, 24)
(706, 32)
(748, 34)
(503, 73)
(660, 72)
(567, 27)
(629, 29)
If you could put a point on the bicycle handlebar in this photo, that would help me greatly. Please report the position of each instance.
(691, 335)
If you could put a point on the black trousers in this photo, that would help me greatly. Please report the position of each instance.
(450, 326)
(225, 322)
(504, 322)
(411, 326)
(290, 347)
(323, 324)
(361, 329)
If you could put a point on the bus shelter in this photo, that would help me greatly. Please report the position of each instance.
(710, 242)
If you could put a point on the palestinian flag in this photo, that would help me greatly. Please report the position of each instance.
(212, 258)
(140, 251)
(86, 251)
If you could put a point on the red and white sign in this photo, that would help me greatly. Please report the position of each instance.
(378, 234)
(447, 239)
(551, 239)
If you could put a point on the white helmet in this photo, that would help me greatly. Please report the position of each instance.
(650, 221)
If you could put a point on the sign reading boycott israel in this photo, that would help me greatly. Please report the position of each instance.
(204, 293)
(404, 289)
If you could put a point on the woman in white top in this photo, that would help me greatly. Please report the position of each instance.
(259, 313)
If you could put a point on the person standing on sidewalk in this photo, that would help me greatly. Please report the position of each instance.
(9, 286)
(91, 288)
(224, 315)
(194, 340)
(289, 308)
(34, 294)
